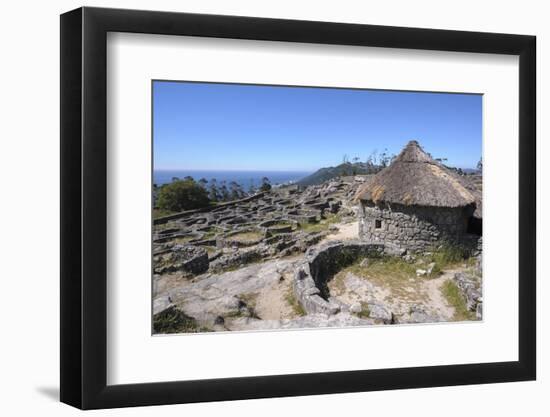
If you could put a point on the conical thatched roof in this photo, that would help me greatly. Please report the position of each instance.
(415, 179)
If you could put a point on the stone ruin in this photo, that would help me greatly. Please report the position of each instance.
(322, 263)
(415, 228)
(264, 226)
(283, 222)
(310, 280)
(417, 203)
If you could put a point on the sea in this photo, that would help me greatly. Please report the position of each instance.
(244, 178)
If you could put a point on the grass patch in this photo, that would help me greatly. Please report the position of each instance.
(365, 311)
(446, 257)
(210, 250)
(294, 304)
(381, 269)
(313, 227)
(454, 297)
(322, 225)
(449, 256)
(392, 273)
(436, 271)
(246, 236)
(272, 232)
(183, 239)
(281, 224)
(210, 233)
(173, 320)
(337, 285)
(249, 299)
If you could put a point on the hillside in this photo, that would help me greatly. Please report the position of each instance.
(345, 169)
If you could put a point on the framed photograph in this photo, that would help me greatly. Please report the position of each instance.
(257, 208)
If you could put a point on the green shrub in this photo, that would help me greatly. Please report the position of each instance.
(173, 320)
(455, 299)
(182, 195)
(365, 311)
(449, 255)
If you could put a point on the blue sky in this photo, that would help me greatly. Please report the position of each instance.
(202, 126)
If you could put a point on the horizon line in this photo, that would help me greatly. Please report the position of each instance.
(269, 170)
(232, 170)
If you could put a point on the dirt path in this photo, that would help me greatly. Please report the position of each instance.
(346, 231)
(271, 302)
(397, 295)
(436, 300)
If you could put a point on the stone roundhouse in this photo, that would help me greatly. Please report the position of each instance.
(416, 203)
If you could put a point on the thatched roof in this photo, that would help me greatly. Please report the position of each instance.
(415, 179)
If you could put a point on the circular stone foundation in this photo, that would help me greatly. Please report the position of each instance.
(321, 264)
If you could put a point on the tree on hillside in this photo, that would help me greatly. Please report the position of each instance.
(182, 195)
(202, 182)
(213, 192)
(224, 192)
(236, 190)
(480, 164)
(266, 185)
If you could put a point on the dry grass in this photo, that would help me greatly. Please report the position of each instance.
(365, 311)
(281, 224)
(322, 225)
(397, 274)
(377, 193)
(210, 250)
(184, 239)
(211, 232)
(173, 320)
(246, 236)
(392, 273)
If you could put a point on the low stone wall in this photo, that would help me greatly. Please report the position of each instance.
(191, 260)
(230, 240)
(238, 259)
(470, 288)
(310, 279)
(221, 206)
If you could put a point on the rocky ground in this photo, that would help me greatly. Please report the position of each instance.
(232, 268)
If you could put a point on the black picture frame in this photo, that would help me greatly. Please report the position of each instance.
(84, 207)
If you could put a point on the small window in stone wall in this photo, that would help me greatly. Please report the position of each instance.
(378, 224)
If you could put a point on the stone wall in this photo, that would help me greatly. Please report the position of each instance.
(310, 278)
(165, 219)
(411, 227)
